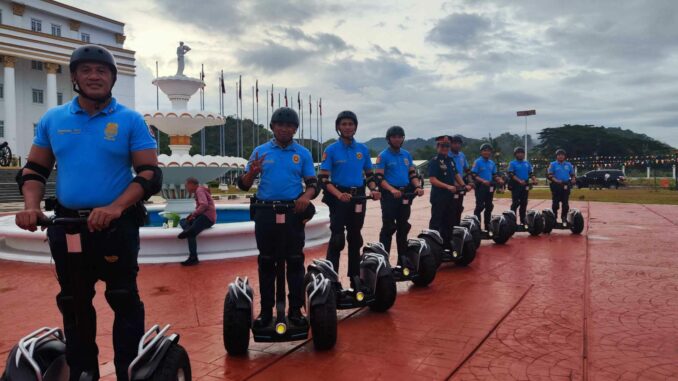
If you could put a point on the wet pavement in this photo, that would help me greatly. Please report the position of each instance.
(600, 306)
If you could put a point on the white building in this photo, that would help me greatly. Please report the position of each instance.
(37, 38)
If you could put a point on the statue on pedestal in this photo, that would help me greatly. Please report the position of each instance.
(181, 52)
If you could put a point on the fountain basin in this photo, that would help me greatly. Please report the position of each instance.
(159, 245)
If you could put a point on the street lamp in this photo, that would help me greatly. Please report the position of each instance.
(526, 113)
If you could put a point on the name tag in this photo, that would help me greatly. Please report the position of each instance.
(73, 243)
(279, 218)
(406, 201)
(565, 187)
(358, 208)
(527, 187)
(491, 189)
(456, 195)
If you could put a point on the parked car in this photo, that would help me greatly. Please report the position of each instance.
(598, 179)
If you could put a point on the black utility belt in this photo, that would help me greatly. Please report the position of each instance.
(353, 191)
(136, 211)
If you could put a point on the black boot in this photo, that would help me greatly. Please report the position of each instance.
(264, 318)
(295, 317)
(191, 261)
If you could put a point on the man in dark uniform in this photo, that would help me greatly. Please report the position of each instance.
(398, 176)
(96, 141)
(282, 164)
(444, 182)
(462, 166)
(345, 169)
(561, 175)
(521, 179)
(484, 173)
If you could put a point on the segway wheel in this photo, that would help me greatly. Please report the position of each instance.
(474, 229)
(237, 323)
(577, 225)
(427, 271)
(549, 221)
(468, 254)
(324, 324)
(537, 225)
(174, 366)
(385, 293)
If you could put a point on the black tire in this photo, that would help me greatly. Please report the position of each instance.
(174, 364)
(385, 294)
(427, 270)
(537, 226)
(468, 254)
(503, 234)
(237, 323)
(577, 224)
(549, 222)
(323, 319)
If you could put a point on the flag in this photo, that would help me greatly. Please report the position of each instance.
(299, 100)
(257, 92)
(240, 88)
(221, 80)
(310, 105)
(286, 98)
(272, 105)
(202, 73)
(320, 105)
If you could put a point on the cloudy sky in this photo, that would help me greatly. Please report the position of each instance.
(431, 66)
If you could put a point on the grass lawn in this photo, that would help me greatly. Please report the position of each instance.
(627, 195)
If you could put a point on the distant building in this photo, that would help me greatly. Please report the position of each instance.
(37, 38)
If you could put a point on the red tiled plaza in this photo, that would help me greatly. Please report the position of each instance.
(600, 306)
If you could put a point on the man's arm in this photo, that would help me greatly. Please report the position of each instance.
(34, 190)
(439, 184)
(203, 203)
(101, 218)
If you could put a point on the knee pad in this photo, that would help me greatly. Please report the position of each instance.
(66, 304)
(122, 299)
(337, 241)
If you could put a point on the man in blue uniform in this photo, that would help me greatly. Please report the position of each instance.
(462, 166)
(398, 176)
(484, 172)
(521, 179)
(561, 175)
(444, 180)
(96, 142)
(282, 164)
(345, 170)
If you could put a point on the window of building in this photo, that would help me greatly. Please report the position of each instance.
(36, 65)
(2, 128)
(56, 30)
(36, 25)
(84, 37)
(60, 98)
(2, 91)
(35, 129)
(38, 96)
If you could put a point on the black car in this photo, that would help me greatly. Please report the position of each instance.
(602, 178)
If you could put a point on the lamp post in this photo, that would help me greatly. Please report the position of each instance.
(526, 113)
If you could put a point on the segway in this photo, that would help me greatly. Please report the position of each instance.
(512, 220)
(473, 225)
(238, 309)
(418, 264)
(41, 355)
(374, 288)
(462, 248)
(573, 222)
(534, 223)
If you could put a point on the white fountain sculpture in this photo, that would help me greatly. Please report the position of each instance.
(180, 124)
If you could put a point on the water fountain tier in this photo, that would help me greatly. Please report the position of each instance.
(179, 89)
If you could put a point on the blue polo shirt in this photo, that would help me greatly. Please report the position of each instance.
(442, 168)
(396, 166)
(521, 169)
(561, 171)
(484, 168)
(93, 153)
(346, 163)
(283, 170)
(459, 161)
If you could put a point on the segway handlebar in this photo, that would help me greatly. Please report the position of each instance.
(361, 197)
(62, 221)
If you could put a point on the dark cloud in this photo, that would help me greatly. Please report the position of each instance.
(319, 41)
(272, 57)
(384, 71)
(460, 30)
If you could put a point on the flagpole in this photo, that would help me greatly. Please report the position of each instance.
(253, 126)
(267, 123)
(237, 145)
(157, 106)
(202, 108)
(310, 125)
(317, 127)
(301, 116)
(257, 112)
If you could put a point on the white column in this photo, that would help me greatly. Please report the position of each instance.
(624, 169)
(648, 172)
(51, 88)
(10, 103)
(674, 171)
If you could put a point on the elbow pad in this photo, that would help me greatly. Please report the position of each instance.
(323, 180)
(241, 184)
(312, 183)
(41, 176)
(152, 186)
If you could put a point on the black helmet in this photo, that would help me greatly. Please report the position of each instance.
(93, 53)
(560, 151)
(285, 115)
(518, 149)
(395, 131)
(485, 146)
(346, 115)
(456, 139)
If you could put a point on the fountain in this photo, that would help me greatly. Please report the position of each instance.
(231, 236)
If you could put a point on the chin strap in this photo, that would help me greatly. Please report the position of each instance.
(98, 101)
